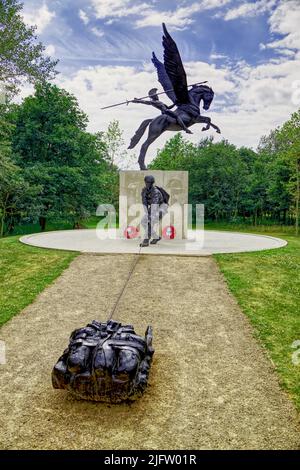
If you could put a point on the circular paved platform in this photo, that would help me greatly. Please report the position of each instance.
(199, 243)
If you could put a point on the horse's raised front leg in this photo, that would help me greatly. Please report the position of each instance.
(216, 127)
(209, 124)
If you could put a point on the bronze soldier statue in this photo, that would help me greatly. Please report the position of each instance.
(155, 202)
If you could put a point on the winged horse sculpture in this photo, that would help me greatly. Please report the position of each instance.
(172, 77)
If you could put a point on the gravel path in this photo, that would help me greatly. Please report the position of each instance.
(211, 384)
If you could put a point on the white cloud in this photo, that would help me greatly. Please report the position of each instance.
(267, 85)
(249, 9)
(286, 52)
(211, 4)
(50, 50)
(40, 18)
(220, 79)
(118, 8)
(177, 18)
(216, 56)
(97, 31)
(111, 21)
(83, 16)
(285, 20)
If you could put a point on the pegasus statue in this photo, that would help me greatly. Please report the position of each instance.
(172, 77)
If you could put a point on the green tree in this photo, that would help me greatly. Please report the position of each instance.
(281, 150)
(279, 196)
(289, 138)
(116, 156)
(13, 188)
(17, 197)
(217, 173)
(21, 55)
(55, 151)
(174, 155)
(113, 138)
(255, 200)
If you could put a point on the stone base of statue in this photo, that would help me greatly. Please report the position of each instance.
(174, 224)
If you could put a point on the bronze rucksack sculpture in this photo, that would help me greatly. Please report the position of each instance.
(106, 362)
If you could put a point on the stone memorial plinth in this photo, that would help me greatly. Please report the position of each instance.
(130, 203)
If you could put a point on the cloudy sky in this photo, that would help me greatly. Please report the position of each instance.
(249, 51)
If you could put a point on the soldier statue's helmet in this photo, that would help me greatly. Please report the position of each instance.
(153, 94)
(149, 179)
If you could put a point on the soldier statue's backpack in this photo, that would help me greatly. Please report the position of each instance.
(105, 362)
(165, 195)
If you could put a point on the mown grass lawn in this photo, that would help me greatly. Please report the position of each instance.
(267, 287)
(24, 272)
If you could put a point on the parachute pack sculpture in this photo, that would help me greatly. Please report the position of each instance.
(172, 77)
(106, 362)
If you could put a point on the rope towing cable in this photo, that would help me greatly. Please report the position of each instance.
(125, 283)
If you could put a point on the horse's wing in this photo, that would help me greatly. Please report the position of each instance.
(174, 68)
(163, 78)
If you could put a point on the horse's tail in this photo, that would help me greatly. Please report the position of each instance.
(137, 136)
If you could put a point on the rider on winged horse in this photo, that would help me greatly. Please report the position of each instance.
(172, 77)
(162, 107)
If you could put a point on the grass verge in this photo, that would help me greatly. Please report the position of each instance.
(24, 272)
(267, 286)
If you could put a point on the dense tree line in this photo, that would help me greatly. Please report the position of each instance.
(50, 166)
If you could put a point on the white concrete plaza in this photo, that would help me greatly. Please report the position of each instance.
(199, 243)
